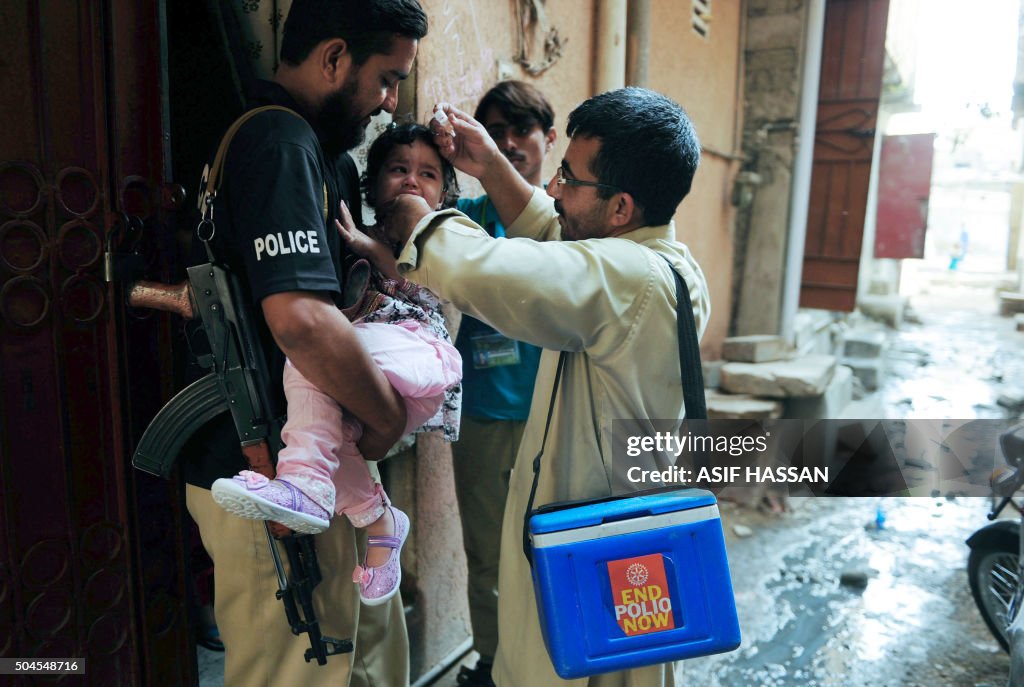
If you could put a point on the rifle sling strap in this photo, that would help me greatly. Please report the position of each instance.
(213, 177)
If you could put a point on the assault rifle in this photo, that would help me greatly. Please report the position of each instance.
(237, 382)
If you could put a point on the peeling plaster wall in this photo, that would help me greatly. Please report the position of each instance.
(458, 60)
(773, 61)
(701, 74)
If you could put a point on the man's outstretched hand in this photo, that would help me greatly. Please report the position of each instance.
(398, 218)
(471, 149)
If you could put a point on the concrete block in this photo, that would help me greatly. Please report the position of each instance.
(864, 343)
(773, 31)
(812, 332)
(887, 309)
(712, 373)
(780, 60)
(796, 378)
(838, 394)
(880, 287)
(754, 349)
(741, 407)
(757, 8)
(772, 95)
(1019, 321)
(868, 371)
(1011, 303)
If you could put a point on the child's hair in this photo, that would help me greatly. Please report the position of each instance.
(405, 134)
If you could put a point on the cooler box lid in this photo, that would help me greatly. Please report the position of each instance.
(562, 517)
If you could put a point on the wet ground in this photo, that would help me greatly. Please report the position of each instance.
(912, 623)
(958, 360)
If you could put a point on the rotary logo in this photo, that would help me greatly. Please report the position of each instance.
(640, 594)
(636, 574)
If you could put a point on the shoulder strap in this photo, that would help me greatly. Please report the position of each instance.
(210, 183)
(690, 369)
(691, 376)
(212, 174)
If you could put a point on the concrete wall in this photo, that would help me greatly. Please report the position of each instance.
(470, 42)
(704, 76)
(773, 62)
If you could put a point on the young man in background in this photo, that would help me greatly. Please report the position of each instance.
(498, 376)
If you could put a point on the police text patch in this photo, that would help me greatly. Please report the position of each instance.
(284, 243)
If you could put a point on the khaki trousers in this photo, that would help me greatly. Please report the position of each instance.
(261, 650)
(482, 459)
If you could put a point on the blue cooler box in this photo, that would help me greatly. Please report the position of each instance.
(632, 582)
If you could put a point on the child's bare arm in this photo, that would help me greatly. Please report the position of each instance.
(377, 252)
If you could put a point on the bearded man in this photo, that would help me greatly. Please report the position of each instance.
(284, 179)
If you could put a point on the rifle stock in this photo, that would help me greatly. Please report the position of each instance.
(174, 298)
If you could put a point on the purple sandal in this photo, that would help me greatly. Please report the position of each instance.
(378, 584)
(251, 495)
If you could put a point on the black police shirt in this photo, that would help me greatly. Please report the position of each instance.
(274, 217)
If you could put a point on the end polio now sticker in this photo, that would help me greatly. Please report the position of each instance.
(640, 594)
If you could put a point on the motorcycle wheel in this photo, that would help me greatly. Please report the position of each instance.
(994, 574)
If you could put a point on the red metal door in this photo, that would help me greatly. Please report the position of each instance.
(851, 82)
(904, 186)
(89, 550)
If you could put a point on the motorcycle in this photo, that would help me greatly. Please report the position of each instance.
(996, 560)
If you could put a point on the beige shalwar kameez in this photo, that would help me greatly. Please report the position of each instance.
(611, 303)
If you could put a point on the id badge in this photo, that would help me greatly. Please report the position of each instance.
(494, 350)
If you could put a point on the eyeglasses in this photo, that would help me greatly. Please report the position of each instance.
(563, 180)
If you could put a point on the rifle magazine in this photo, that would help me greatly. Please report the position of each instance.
(190, 409)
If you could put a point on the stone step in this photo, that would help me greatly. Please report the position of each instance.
(712, 373)
(1011, 303)
(868, 371)
(741, 407)
(796, 378)
(887, 309)
(812, 332)
(758, 348)
(838, 395)
(864, 343)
